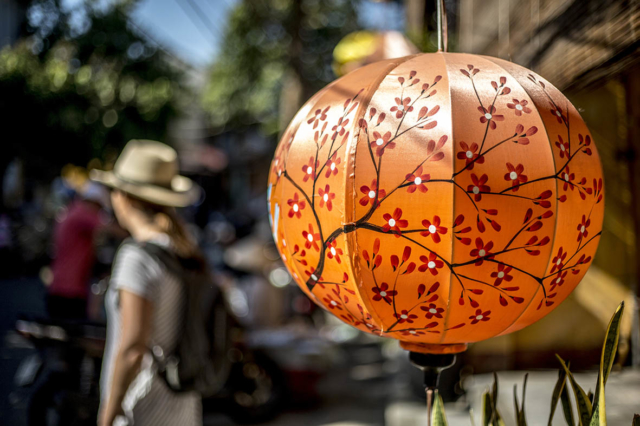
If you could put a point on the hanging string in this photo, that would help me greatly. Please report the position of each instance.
(441, 13)
(429, 404)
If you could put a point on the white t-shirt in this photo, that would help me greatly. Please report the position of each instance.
(148, 400)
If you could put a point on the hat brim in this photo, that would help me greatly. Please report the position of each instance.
(183, 192)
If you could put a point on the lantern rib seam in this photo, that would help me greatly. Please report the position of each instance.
(364, 104)
(294, 127)
(453, 202)
(546, 131)
(394, 64)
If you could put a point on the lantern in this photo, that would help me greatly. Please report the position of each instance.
(438, 199)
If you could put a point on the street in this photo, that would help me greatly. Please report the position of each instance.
(374, 394)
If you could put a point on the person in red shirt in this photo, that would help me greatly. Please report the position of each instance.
(74, 252)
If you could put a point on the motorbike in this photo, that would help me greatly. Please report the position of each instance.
(63, 375)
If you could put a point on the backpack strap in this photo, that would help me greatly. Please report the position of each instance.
(170, 261)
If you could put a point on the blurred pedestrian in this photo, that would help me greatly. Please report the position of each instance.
(144, 300)
(74, 253)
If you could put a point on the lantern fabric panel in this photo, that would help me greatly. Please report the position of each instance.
(327, 110)
(390, 288)
(580, 194)
(440, 198)
(485, 219)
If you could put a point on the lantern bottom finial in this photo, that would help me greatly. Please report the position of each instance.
(432, 348)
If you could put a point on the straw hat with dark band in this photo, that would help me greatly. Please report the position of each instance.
(149, 170)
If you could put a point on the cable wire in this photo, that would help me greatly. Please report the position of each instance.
(202, 17)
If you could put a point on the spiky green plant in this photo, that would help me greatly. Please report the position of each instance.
(590, 406)
(438, 417)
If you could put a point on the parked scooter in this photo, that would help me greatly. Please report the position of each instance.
(64, 371)
(64, 375)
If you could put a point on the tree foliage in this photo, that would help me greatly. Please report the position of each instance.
(79, 84)
(267, 44)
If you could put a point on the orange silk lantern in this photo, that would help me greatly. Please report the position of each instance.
(438, 199)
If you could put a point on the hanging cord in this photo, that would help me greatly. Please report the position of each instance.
(442, 26)
(429, 404)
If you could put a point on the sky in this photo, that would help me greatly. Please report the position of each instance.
(175, 25)
(193, 30)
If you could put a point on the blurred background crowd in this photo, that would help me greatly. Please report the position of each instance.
(219, 80)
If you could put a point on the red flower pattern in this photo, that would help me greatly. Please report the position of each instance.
(311, 239)
(582, 228)
(514, 174)
(319, 115)
(482, 251)
(381, 142)
(402, 107)
(490, 116)
(340, 128)
(563, 147)
(432, 311)
(470, 155)
(311, 274)
(326, 197)
(567, 177)
(480, 316)
(558, 280)
(370, 193)
(332, 165)
(309, 170)
(333, 251)
(433, 229)
(297, 205)
(519, 107)
(332, 304)
(405, 316)
(502, 274)
(413, 332)
(394, 222)
(430, 263)
(383, 293)
(416, 181)
(558, 261)
(557, 112)
(478, 186)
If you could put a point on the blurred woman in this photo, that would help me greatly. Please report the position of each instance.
(145, 299)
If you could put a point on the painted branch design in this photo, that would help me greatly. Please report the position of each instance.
(414, 115)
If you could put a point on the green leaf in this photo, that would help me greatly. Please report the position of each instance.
(496, 419)
(487, 412)
(609, 349)
(567, 409)
(582, 401)
(560, 385)
(516, 404)
(599, 417)
(522, 418)
(438, 416)
(520, 415)
(636, 420)
(611, 342)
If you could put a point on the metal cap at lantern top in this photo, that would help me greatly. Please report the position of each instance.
(438, 199)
